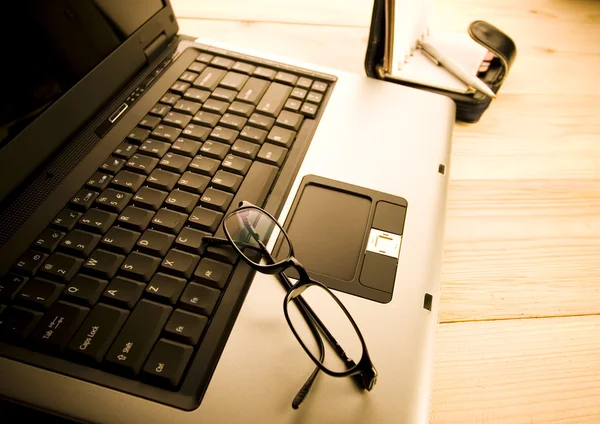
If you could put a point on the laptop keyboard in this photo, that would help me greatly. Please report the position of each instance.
(120, 280)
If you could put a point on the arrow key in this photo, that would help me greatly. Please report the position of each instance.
(123, 292)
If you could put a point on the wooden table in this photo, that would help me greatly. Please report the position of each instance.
(519, 339)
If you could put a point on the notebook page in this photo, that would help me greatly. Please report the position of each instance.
(411, 18)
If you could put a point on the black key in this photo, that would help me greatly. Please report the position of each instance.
(321, 87)
(226, 254)
(126, 150)
(234, 80)
(185, 327)
(188, 76)
(83, 199)
(58, 325)
(309, 110)
(242, 67)
(222, 62)
(281, 136)
(84, 289)
(226, 181)
(66, 220)
(155, 243)
(123, 292)
(182, 201)
(304, 82)
(18, 323)
(289, 120)
(134, 342)
(160, 110)
(30, 261)
(214, 149)
(176, 119)
(253, 134)
(239, 108)
(216, 199)
(155, 148)
(97, 221)
(149, 198)
(48, 240)
(2, 308)
(193, 182)
(187, 107)
(261, 121)
(233, 121)
(10, 284)
(292, 105)
(113, 200)
(181, 264)
(61, 267)
(141, 266)
(236, 164)
(209, 78)
(196, 67)
(103, 264)
(253, 90)
(149, 122)
(205, 219)
(169, 99)
(120, 240)
(179, 87)
(191, 240)
(207, 119)
(273, 100)
(135, 218)
(286, 78)
(272, 154)
(204, 57)
(224, 135)
(298, 93)
(141, 163)
(186, 147)
(196, 132)
(79, 243)
(264, 73)
(39, 294)
(162, 180)
(199, 299)
(169, 221)
(245, 149)
(213, 273)
(204, 165)
(167, 362)
(138, 135)
(196, 95)
(97, 332)
(166, 133)
(314, 97)
(99, 181)
(216, 106)
(224, 94)
(165, 288)
(175, 163)
(128, 181)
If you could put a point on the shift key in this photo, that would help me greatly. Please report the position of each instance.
(133, 344)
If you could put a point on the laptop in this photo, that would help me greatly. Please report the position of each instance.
(123, 144)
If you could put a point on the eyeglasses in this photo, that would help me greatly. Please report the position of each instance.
(321, 323)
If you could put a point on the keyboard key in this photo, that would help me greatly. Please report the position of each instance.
(55, 329)
(83, 199)
(216, 199)
(84, 290)
(245, 149)
(226, 254)
(204, 165)
(292, 105)
(125, 150)
(309, 110)
(178, 263)
(281, 136)
(187, 107)
(216, 106)
(224, 94)
(204, 57)
(226, 181)
(199, 299)
(186, 147)
(298, 93)
(60, 267)
(135, 218)
(10, 284)
(253, 134)
(253, 90)
(205, 219)
(123, 292)
(162, 180)
(18, 323)
(321, 87)
(196, 95)
(273, 100)
(185, 327)
(149, 122)
(66, 220)
(113, 200)
(166, 133)
(120, 240)
(196, 132)
(224, 135)
(174, 163)
(169, 99)
(263, 72)
(141, 266)
(191, 240)
(176, 119)
(160, 110)
(167, 362)
(271, 154)
(213, 273)
(207, 119)
(233, 121)
(193, 182)
(255, 187)
(196, 67)
(304, 82)
(222, 62)
(99, 181)
(289, 120)
(165, 288)
(97, 221)
(103, 264)
(239, 108)
(214, 149)
(314, 97)
(261, 121)
(48, 240)
(128, 181)
(155, 242)
(209, 78)
(286, 78)
(179, 87)
(39, 294)
(97, 332)
(134, 342)
(154, 148)
(236, 164)
(149, 198)
(30, 261)
(242, 67)
(182, 200)
(79, 243)
(142, 164)
(234, 80)
(169, 221)
(138, 135)
(188, 76)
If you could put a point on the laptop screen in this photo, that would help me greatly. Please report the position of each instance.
(49, 45)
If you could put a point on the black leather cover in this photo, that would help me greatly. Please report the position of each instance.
(469, 107)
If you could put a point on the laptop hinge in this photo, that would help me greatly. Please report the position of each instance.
(155, 47)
